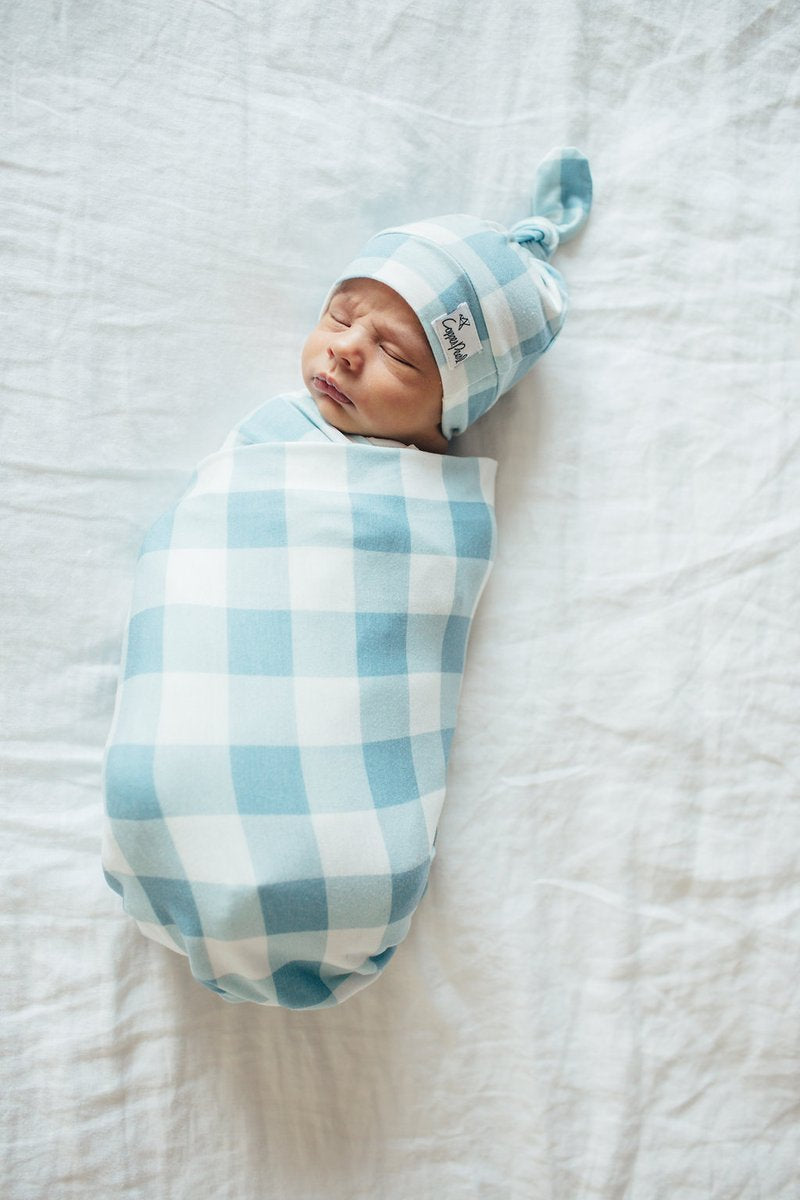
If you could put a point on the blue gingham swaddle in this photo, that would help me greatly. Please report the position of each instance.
(276, 764)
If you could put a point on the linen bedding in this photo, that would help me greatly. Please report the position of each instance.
(597, 997)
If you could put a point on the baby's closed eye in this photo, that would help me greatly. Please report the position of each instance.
(394, 355)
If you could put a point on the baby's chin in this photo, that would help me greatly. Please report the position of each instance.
(343, 419)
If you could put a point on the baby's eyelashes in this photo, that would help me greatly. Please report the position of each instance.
(403, 362)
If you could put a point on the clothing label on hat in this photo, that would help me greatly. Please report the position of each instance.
(458, 336)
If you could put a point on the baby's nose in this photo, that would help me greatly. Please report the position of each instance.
(346, 347)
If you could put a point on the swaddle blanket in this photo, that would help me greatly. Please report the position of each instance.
(276, 765)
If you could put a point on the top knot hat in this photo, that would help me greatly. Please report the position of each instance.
(487, 297)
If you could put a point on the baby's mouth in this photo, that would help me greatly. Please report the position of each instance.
(329, 388)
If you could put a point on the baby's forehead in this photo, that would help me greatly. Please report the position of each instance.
(375, 297)
(367, 291)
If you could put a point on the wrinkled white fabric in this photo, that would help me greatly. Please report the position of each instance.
(601, 999)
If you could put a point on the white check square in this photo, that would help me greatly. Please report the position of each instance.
(196, 577)
(213, 849)
(424, 702)
(421, 479)
(194, 710)
(322, 578)
(306, 464)
(431, 583)
(328, 711)
(247, 957)
(351, 843)
(214, 474)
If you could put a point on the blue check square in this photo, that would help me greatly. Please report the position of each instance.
(390, 769)
(259, 642)
(268, 779)
(256, 519)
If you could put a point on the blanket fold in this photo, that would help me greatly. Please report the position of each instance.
(292, 664)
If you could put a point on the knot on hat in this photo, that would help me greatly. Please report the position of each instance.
(537, 231)
(562, 196)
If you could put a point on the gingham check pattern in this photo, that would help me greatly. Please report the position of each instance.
(276, 766)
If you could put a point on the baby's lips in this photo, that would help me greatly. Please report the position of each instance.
(330, 389)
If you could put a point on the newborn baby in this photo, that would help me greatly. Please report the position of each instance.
(276, 765)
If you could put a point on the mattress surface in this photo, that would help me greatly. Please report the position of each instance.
(597, 998)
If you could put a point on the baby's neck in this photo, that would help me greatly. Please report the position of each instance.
(434, 442)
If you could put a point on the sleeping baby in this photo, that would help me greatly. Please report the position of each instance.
(276, 766)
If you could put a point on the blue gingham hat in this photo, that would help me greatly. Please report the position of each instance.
(488, 299)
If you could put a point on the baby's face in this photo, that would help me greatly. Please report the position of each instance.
(370, 369)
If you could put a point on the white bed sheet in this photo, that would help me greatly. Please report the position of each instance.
(598, 998)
